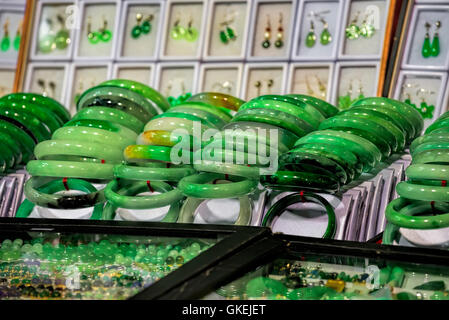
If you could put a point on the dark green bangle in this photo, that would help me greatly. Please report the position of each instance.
(39, 131)
(297, 181)
(281, 205)
(218, 100)
(22, 138)
(7, 155)
(7, 141)
(324, 107)
(440, 123)
(434, 137)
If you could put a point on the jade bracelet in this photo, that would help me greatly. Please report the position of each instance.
(243, 148)
(290, 180)
(413, 191)
(112, 115)
(199, 186)
(149, 93)
(430, 146)
(27, 120)
(70, 169)
(282, 205)
(167, 197)
(49, 199)
(153, 174)
(138, 153)
(172, 124)
(104, 125)
(432, 156)
(8, 157)
(26, 143)
(8, 141)
(56, 186)
(379, 142)
(186, 116)
(431, 137)
(250, 140)
(216, 111)
(252, 173)
(324, 107)
(440, 123)
(428, 171)
(208, 117)
(218, 100)
(166, 138)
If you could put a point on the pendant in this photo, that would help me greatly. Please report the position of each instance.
(6, 44)
(146, 27)
(435, 50)
(310, 39)
(325, 37)
(426, 49)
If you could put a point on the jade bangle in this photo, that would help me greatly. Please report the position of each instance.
(422, 192)
(45, 116)
(173, 174)
(431, 137)
(8, 157)
(428, 171)
(56, 186)
(90, 134)
(218, 100)
(167, 197)
(208, 117)
(310, 123)
(217, 112)
(186, 116)
(172, 124)
(291, 181)
(137, 153)
(46, 102)
(152, 95)
(226, 148)
(432, 156)
(282, 205)
(38, 130)
(69, 169)
(440, 123)
(7, 140)
(252, 173)
(190, 206)
(430, 146)
(112, 115)
(33, 192)
(49, 148)
(103, 125)
(197, 186)
(274, 117)
(250, 139)
(166, 138)
(324, 107)
(22, 138)
(404, 220)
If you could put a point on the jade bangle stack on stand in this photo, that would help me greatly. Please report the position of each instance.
(423, 202)
(86, 149)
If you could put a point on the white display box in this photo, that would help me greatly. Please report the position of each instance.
(176, 75)
(264, 72)
(212, 75)
(141, 72)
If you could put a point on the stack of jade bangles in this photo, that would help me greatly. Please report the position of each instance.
(345, 146)
(25, 120)
(423, 201)
(87, 148)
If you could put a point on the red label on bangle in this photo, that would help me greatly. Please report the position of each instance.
(64, 182)
(301, 194)
(103, 161)
(444, 183)
(149, 186)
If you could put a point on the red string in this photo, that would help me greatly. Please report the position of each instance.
(149, 186)
(444, 183)
(103, 161)
(64, 182)
(301, 194)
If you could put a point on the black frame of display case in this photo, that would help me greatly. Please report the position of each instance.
(234, 239)
(269, 248)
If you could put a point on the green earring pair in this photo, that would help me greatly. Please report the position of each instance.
(52, 41)
(431, 49)
(325, 37)
(178, 32)
(103, 34)
(366, 30)
(227, 34)
(142, 28)
(6, 41)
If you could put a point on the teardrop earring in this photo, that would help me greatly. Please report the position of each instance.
(311, 36)
(18, 37)
(426, 49)
(177, 32)
(47, 43)
(6, 41)
(280, 35)
(92, 36)
(62, 39)
(227, 33)
(267, 34)
(326, 36)
(192, 33)
(321, 87)
(146, 25)
(367, 29)
(105, 33)
(435, 50)
(352, 31)
(137, 30)
(52, 86)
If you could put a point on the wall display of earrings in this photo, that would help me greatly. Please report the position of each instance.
(221, 77)
(177, 81)
(48, 79)
(141, 72)
(311, 79)
(261, 79)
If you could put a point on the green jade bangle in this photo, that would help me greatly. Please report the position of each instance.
(309, 123)
(430, 146)
(440, 123)
(291, 180)
(7, 155)
(104, 125)
(436, 156)
(205, 115)
(112, 115)
(172, 174)
(56, 186)
(428, 172)
(172, 124)
(46, 149)
(251, 140)
(410, 113)
(282, 205)
(186, 116)
(95, 135)
(8, 141)
(167, 197)
(241, 145)
(46, 102)
(166, 138)
(22, 138)
(198, 186)
(324, 107)
(252, 173)
(413, 191)
(224, 115)
(190, 206)
(138, 153)
(434, 137)
(49, 199)
(218, 100)
(149, 93)
(403, 219)
(26, 119)
(70, 169)
(274, 117)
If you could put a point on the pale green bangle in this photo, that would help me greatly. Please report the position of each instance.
(46, 149)
(422, 192)
(252, 173)
(189, 207)
(166, 198)
(324, 107)
(216, 111)
(428, 171)
(172, 124)
(93, 135)
(104, 125)
(430, 146)
(197, 186)
(138, 153)
(217, 154)
(173, 174)
(70, 169)
(205, 115)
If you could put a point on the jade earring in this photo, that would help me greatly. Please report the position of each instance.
(280, 35)
(367, 30)
(435, 50)
(345, 101)
(424, 109)
(426, 49)
(326, 36)
(270, 83)
(408, 100)
(227, 33)
(267, 34)
(41, 83)
(18, 37)
(310, 91)
(136, 32)
(146, 25)
(62, 39)
(48, 42)
(105, 33)
(191, 32)
(92, 36)
(258, 85)
(311, 36)
(353, 31)
(177, 32)
(321, 87)
(6, 41)
(361, 94)
(52, 86)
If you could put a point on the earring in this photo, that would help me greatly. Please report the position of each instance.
(367, 30)
(62, 39)
(345, 101)
(137, 30)
(6, 41)
(41, 83)
(92, 36)
(361, 95)
(258, 85)
(105, 34)
(326, 36)
(47, 42)
(280, 35)
(408, 100)
(227, 33)
(311, 36)
(426, 49)
(267, 35)
(270, 83)
(146, 25)
(310, 91)
(18, 37)
(425, 110)
(353, 31)
(177, 32)
(52, 86)
(435, 51)
(321, 86)
(192, 33)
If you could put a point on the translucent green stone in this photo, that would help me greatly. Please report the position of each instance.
(6, 44)
(310, 39)
(279, 43)
(223, 37)
(435, 51)
(191, 34)
(62, 39)
(17, 40)
(266, 44)
(426, 49)
(367, 30)
(146, 27)
(136, 32)
(325, 37)
(352, 32)
(106, 35)
(178, 33)
(94, 37)
(231, 33)
(47, 44)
